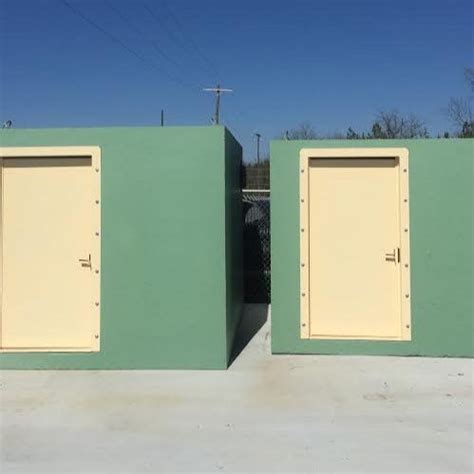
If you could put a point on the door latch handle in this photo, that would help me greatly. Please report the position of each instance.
(86, 262)
(393, 256)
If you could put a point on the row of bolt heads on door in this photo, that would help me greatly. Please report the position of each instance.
(97, 235)
(406, 264)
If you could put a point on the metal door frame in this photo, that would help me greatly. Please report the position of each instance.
(94, 153)
(401, 154)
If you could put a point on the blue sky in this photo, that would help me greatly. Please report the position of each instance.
(332, 63)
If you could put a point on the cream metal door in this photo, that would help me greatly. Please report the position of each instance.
(51, 249)
(356, 247)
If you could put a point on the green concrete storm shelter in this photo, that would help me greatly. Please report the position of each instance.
(372, 247)
(168, 286)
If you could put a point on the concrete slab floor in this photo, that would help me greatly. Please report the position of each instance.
(265, 414)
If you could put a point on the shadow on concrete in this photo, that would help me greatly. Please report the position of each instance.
(253, 318)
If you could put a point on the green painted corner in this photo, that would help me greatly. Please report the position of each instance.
(233, 239)
(442, 249)
(165, 263)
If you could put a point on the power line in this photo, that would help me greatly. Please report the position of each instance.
(175, 38)
(105, 32)
(190, 39)
(259, 136)
(147, 38)
(163, 24)
(115, 39)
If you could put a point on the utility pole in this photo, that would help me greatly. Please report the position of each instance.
(258, 169)
(258, 135)
(218, 90)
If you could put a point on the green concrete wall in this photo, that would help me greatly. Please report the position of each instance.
(441, 220)
(234, 238)
(168, 300)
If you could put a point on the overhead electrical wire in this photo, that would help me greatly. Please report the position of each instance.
(175, 38)
(141, 33)
(190, 39)
(116, 39)
(121, 43)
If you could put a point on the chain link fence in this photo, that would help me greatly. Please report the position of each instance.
(257, 265)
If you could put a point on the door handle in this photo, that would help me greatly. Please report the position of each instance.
(393, 256)
(86, 262)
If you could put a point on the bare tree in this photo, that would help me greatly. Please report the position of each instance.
(460, 110)
(391, 124)
(304, 131)
(387, 124)
(469, 76)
